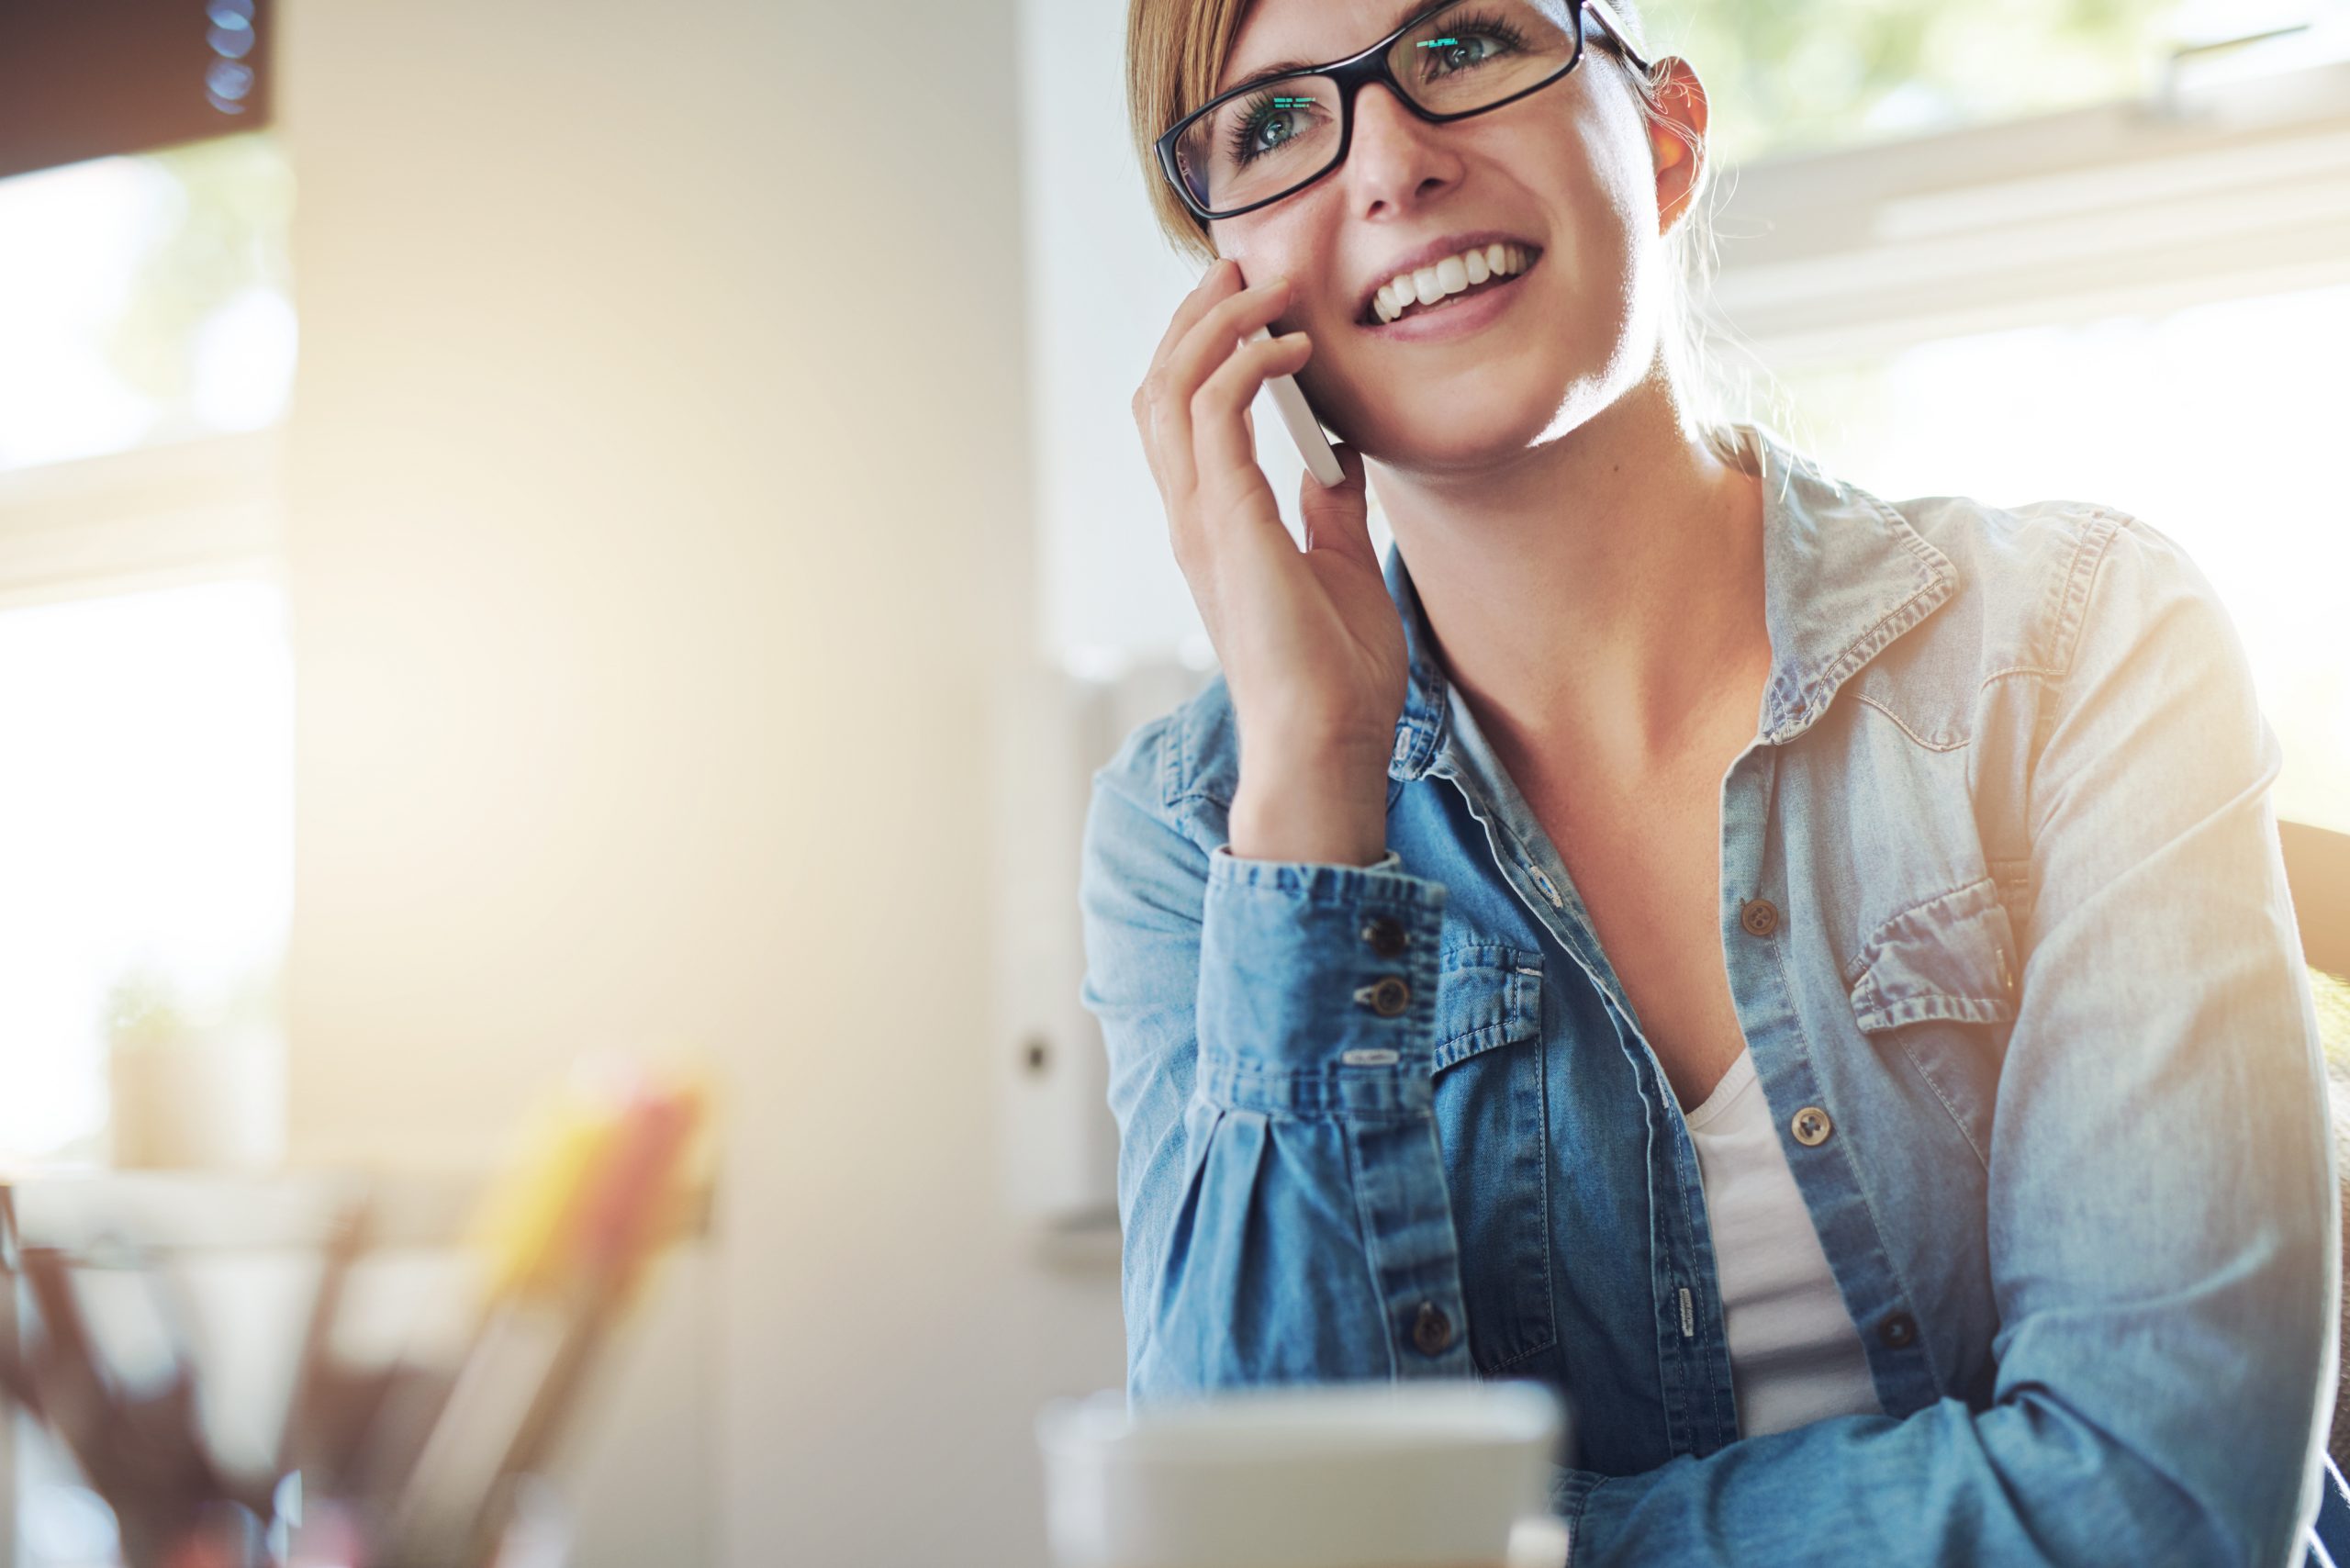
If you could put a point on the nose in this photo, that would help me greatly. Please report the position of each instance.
(1396, 157)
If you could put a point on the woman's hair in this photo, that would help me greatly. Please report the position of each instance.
(1175, 50)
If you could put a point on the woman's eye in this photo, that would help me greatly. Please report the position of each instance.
(1460, 52)
(1272, 126)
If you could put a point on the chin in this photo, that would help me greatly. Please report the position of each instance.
(1453, 426)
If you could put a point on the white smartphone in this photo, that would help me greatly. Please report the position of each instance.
(1304, 427)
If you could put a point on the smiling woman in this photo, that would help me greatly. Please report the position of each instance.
(1808, 977)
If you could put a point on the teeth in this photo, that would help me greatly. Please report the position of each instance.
(1427, 285)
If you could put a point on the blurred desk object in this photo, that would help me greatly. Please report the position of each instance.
(198, 1338)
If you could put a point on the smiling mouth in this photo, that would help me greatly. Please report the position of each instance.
(1432, 289)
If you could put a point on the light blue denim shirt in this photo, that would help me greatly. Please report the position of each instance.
(2006, 923)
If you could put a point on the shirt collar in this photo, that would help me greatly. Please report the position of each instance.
(1844, 573)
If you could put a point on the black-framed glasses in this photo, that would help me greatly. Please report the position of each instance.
(1278, 132)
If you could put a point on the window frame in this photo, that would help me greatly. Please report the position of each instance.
(2197, 193)
(195, 511)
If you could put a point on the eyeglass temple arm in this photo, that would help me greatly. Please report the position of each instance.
(1614, 27)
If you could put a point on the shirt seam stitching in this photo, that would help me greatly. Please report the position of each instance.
(1901, 723)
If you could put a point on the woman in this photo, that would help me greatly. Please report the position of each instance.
(1811, 978)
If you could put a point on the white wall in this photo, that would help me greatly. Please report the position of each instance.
(660, 524)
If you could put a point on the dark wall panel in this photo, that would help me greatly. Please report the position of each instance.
(87, 78)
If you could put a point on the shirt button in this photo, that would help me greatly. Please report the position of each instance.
(1759, 916)
(1431, 1329)
(1387, 998)
(1897, 1331)
(1811, 1126)
(1385, 936)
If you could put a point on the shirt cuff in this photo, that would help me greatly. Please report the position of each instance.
(1317, 985)
(1391, 861)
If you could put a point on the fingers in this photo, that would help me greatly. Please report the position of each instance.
(1338, 517)
(1174, 389)
(1156, 408)
(1221, 282)
(1219, 429)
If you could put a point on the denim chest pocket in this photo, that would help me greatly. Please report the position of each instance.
(1492, 1125)
(1940, 982)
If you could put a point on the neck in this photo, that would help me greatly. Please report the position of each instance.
(1600, 597)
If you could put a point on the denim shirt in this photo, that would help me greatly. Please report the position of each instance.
(2005, 920)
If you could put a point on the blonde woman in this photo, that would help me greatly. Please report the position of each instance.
(1810, 978)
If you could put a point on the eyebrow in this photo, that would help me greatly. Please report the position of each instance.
(1410, 9)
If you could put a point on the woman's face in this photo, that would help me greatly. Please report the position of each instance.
(1568, 172)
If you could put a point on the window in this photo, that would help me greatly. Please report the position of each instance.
(145, 857)
(144, 299)
(146, 693)
(1788, 76)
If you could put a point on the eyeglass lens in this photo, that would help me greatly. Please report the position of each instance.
(1284, 133)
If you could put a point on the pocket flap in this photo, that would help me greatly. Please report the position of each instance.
(1487, 994)
(1952, 956)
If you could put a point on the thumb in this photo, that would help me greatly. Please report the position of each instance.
(1337, 517)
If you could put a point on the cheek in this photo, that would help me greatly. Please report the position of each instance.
(1274, 243)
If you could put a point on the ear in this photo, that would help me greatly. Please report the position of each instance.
(1676, 137)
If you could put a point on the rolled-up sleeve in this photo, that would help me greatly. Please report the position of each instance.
(2163, 1225)
(1271, 1028)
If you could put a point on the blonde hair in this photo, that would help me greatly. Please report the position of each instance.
(1175, 50)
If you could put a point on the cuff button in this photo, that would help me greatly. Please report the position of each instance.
(1386, 936)
(1431, 1329)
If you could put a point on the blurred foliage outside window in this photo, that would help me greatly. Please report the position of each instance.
(1785, 77)
(145, 299)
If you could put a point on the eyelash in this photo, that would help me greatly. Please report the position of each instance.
(1479, 23)
(1491, 27)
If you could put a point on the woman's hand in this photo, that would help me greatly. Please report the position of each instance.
(1311, 644)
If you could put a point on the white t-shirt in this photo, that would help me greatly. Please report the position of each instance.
(1794, 1356)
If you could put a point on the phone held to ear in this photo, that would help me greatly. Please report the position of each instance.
(1304, 427)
